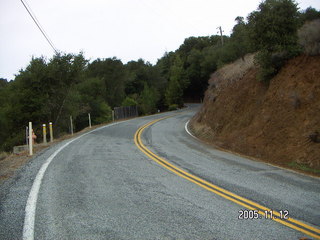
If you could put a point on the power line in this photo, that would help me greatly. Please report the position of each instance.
(34, 15)
(39, 26)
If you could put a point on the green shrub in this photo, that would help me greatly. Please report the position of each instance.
(105, 113)
(173, 107)
(271, 62)
(128, 102)
(14, 140)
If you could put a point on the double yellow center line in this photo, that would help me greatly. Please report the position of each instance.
(248, 204)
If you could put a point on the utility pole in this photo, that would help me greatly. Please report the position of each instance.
(220, 29)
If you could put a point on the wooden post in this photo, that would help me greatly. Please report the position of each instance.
(30, 139)
(89, 120)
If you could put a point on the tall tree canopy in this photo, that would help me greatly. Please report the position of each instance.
(274, 25)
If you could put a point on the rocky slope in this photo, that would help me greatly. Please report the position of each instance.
(279, 123)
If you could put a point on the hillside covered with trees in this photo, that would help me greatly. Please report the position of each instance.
(52, 90)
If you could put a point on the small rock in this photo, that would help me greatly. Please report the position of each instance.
(315, 137)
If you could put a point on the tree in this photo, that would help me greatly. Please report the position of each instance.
(165, 63)
(137, 76)
(4, 108)
(273, 26)
(128, 102)
(174, 93)
(148, 100)
(3, 82)
(240, 38)
(177, 72)
(44, 91)
(113, 74)
(309, 15)
(177, 83)
(273, 30)
(194, 73)
(64, 71)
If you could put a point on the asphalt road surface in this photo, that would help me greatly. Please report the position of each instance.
(108, 185)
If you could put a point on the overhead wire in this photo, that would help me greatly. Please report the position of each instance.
(34, 18)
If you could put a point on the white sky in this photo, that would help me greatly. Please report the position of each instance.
(127, 29)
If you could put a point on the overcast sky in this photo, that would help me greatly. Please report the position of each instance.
(127, 29)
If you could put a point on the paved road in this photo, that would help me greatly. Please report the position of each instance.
(101, 186)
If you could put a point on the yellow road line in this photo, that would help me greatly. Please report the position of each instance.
(290, 222)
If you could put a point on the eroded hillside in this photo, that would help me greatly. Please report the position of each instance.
(279, 123)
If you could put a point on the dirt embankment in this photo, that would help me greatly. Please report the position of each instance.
(279, 123)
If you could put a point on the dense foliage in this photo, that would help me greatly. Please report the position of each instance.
(69, 85)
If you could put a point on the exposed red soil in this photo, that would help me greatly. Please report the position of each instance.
(271, 123)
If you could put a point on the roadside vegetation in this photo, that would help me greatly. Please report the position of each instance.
(265, 105)
(52, 90)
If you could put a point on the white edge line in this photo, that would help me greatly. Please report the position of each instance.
(30, 210)
(254, 160)
(187, 130)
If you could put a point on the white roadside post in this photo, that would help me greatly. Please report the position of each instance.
(44, 131)
(30, 139)
(89, 120)
(112, 115)
(51, 131)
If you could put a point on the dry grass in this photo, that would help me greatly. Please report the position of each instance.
(309, 37)
(3, 155)
(231, 72)
(9, 163)
(272, 123)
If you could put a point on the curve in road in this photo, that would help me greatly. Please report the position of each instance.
(30, 211)
(248, 204)
(101, 186)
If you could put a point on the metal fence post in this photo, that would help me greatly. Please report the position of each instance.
(44, 131)
(51, 131)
